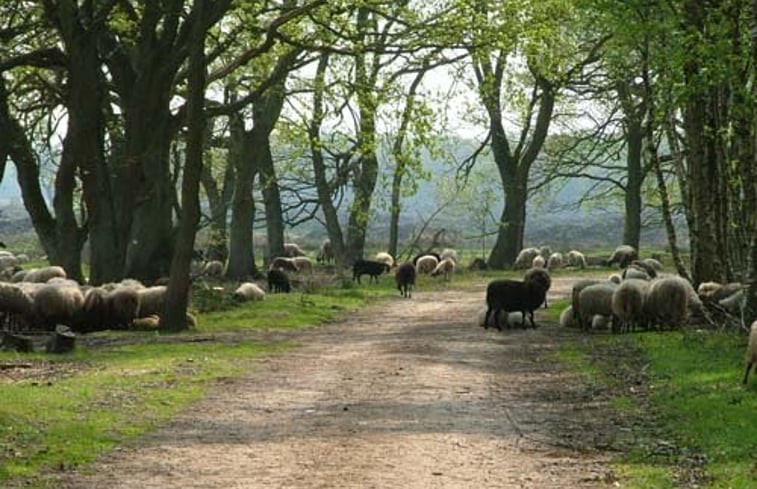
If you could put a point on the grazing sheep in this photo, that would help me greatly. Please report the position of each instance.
(445, 267)
(151, 300)
(645, 267)
(575, 291)
(512, 295)
(623, 255)
(478, 264)
(42, 275)
(16, 305)
(384, 257)
(278, 281)
(22, 257)
(147, 323)
(600, 322)
(634, 273)
(325, 252)
(596, 299)
(405, 278)
(615, 278)
(303, 264)
(655, 264)
(293, 249)
(426, 264)
(567, 318)
(555, 261)
(576, 259)
(628, 304)
(124, 306)
(707, 289)
(55, 304)
(213, 269)
(249, 291)
(132, 283)
(751, 351)
(430, 253)
(526, 257)
(284, 264)
(538, 262)
(667, 301)
(368, 267)
(545, 252)
(449, 253)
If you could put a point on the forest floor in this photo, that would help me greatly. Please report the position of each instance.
(404, 393)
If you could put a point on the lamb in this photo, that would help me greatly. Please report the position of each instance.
(623, 255)
(42, 275)
(596, 299)
(449, 253)
(512, 295)
(293, 249)
(405, 278)
(555, 261)
(576, 259)
(151, 300)
(540, 276)
(628, 303)
(384, 257)
(575, 291)
(368, 267)
(667, 301)
(538, 262)
(278, 281)
(446, 267)
(325, 252)
(55, 304)
(147, 323)
(567, 318)
(213, 268)
(426, 264)
(508, 319)
(123, 304)
(526, 257)
(284, 264)
(751, 351)
(303, 264)
(249, 291)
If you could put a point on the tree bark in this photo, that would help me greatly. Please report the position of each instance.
(241, 261)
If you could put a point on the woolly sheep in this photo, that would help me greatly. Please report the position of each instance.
(22, 257)
(567, 319)
(751, 351)
(599, 322)
(576, 259)
(42, 275)
(645, 267)
(147, 323)
(303, 264)
(726, 290)
(325, 252)
(525, 258)
(628, 303)
(706, 289)
(131, 282)
(404, 276)
(449, 253)
(249, 291)
(55, 304)
(615, 278)
(667, 301)
(623, 255)
(446, 267)
(538, 262)
(634, 273)
(508, 319)
(8, 262)
(384, 257)
(293, 249)
(545, 252)
(575, 291)
(595, 299)
(15, 303)
(426, 264)
(63, 282)
(653, 263)
(555, 261)
(5, 253)
(19, 276)
(151, 300)
(123, 303)
(213, 268)
(735, 303)
(284, 264)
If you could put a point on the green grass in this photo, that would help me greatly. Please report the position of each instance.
(696, 402)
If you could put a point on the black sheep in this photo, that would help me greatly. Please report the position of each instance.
(512, 296)
(278, 281)
(405, 277)
(368, 267)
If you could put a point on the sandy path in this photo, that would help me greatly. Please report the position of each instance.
(407, 394)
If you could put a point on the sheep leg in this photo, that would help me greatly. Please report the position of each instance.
(486, 318)
(746, 374)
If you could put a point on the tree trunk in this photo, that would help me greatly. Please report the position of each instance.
(274, 217)
(635, 172)
(241, 263)
(174, 316)
(509, 239)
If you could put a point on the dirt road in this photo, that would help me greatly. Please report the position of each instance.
(403, 394)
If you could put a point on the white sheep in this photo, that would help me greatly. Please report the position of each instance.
(576, 259)
(55, 304)
(525, 258)
(123, 305)
(16, 303)
(615, 278)
(449, 253)
(600, 322)
(634, 273)
(293, 249)
(213, 268)
(426, 264)
(384, 257)
(555, 261)
(147, 323)
(751, 351)
(667, 301)
(446, 267)
(303, 264)
(505, 319)
(656, 265)
(283, 263)
(595, 300)
(538, 262)
(8, 262)
(42, 275)
(249, 291)
(325, 252)
(628, 303)
(151, 300)
(623, 255)
(19, 276)
(567, 318)
(707, 289)
(545, 252)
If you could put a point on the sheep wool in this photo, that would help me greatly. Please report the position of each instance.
(751, 351)
(628, 303)
(213, 268)
(567, 320)
(249, 291)
(293, 249)
(404, 276)
(446, 268)
(555, 261)
(576, 259)
(525, 258)
(449, 253)
(148, 323)
(538, 262)
(595, 300)
(384, 257)
(124, 305)
(42, 275)
(303, 264)
(426, 264)
(151, 300)
(57, 304)
(667, 301)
